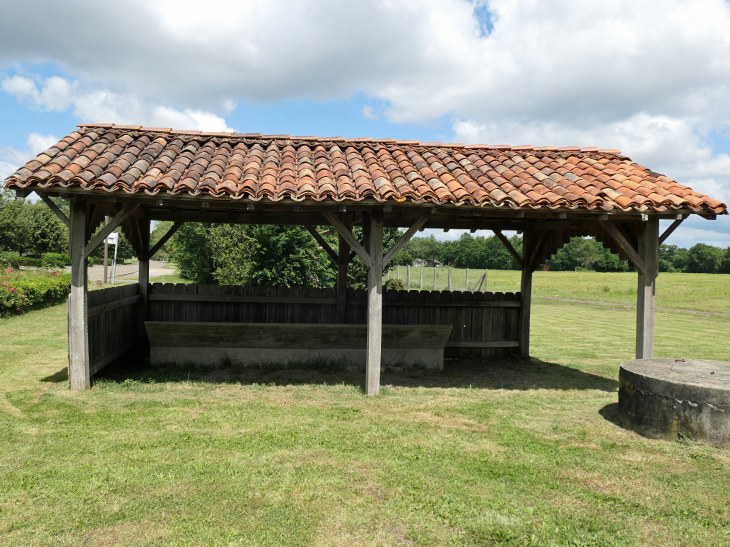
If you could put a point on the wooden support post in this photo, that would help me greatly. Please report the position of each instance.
(78, 332)
(143, 224)
(486, 274)
(434, 278)
(526, 292)
(449, 277)
(343, 257)
(646, 291)
(106, 254)
(375, 304)
(420, 286)
(466, 285)
(408, 277)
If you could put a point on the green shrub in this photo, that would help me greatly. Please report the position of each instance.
(23, 291)
(55, 260)
(395, 285)
(9, 259)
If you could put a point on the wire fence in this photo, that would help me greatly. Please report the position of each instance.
(444, 278)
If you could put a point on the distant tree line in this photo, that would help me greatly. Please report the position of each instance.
(580, 253)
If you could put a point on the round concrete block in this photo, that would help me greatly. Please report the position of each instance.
(671, 398)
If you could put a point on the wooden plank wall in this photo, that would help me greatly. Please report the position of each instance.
(485, 325)
(113, 323)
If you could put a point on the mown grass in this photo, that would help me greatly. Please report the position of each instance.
(502, 454)
(704, 292)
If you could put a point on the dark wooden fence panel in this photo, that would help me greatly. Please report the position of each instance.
(484, 325)
(113, 323)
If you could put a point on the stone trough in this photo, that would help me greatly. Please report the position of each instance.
(672, 398)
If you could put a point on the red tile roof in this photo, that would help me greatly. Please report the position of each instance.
(133, 159)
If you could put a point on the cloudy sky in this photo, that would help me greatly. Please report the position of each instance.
(649, 77)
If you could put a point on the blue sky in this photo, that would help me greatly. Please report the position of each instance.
(498, 71)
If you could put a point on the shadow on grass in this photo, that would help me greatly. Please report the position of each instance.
(610, 414)
(513, 375)
(60, 376)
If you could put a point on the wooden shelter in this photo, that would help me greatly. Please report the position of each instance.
(138, 175)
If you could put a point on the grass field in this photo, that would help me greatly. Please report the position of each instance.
(508, 454)
(704, 292)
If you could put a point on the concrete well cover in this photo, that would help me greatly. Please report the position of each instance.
(670, 398)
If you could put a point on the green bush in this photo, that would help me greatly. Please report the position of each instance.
(55, 260)
(23, 291)
(9, 259)
(395, 285)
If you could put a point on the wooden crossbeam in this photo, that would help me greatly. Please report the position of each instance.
(53, 207)
(157, 246)
(673, 226)
(510, 248)
(109, 228)
(319, 239)
(405, 238)
(622, 242)
(347, 236)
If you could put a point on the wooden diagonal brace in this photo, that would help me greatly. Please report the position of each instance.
(109, 228)
(347, 236)
(319, 239)
(621, 241)
(510, 248)
(157, 246)
(405, 238)
(53, 207)
(673, 226)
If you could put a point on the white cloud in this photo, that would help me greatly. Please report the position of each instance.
(94, 105)
(7, 169)
(11, 158)
(651, 77)
(368, 112)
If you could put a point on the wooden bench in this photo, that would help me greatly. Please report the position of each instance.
(255, 343)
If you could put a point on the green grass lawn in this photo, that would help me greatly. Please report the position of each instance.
(509, 454)
(704, 292)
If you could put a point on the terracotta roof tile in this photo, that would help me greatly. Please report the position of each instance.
(135, 159)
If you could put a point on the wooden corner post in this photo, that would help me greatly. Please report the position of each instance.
(144, 276)
(78, 344)
(375, 303)
(646, 290)
(526, 292)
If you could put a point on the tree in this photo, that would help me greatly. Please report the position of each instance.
(725, 264)
(704, 259)
(30, 228)
(283, 256)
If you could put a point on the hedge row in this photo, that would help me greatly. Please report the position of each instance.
(23, 291)
(49, 260)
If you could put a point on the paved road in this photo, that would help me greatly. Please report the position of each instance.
(128, 271)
